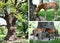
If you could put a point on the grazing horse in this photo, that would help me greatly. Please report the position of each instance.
(54, 32)
(46, 6)
(38, 31)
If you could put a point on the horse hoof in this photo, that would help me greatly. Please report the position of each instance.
(49, 38)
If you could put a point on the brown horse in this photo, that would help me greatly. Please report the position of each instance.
(46, 6)
(53, 32)
(38, 31)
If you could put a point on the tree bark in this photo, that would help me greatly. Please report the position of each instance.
(11, 34)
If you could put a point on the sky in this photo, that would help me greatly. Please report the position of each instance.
(37, 2)
(2, 21)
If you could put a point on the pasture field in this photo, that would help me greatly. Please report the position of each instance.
(52, 41)
(49, 14)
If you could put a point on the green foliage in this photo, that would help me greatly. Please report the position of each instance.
(3, 30)
(22, 26)
(12, 1)
(24, 8)
(1, 4)
(13, 9)
(21, 15)
(24, 13)
(52, 41)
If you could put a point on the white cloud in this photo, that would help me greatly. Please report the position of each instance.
(2, 21)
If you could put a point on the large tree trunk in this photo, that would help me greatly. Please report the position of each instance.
(11, 34)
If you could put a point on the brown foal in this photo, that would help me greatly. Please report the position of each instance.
(38, 31)
(46, 6)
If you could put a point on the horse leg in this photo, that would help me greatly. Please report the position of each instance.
(49, 36)
(34, 35)
(53, 35)
(40, 35)
(55, 16)
(36, 13)
(45, 14)
(56, 36)
(34, 39)
(37, 17)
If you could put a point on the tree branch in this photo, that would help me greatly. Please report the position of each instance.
(18, 4)
(15, 2)
(18, 10)
(5, 1)
(6, 13)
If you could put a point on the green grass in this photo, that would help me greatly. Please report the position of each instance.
(37, 41)
(49, 14)
(52, 41)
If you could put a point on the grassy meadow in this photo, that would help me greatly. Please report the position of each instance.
(51, 41)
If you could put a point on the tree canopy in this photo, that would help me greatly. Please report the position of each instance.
(15, 12)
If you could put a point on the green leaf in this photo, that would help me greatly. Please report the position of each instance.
(1, 10)
(20, 17)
